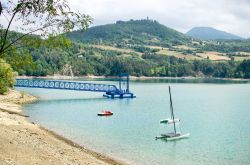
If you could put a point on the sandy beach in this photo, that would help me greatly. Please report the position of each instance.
(22, 142)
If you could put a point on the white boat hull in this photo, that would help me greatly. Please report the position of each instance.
(182, 136)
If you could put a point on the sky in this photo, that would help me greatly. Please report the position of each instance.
(232, 16)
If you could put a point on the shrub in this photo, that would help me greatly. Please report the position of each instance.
(7, 77)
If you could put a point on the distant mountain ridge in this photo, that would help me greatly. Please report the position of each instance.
(132, 32)
(209, 33)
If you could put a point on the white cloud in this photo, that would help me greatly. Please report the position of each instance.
(229, 15)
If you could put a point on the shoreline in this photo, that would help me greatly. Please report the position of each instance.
(14, 125)
(131, 77)
(95, 154)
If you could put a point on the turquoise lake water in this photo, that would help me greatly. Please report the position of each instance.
(215, 113)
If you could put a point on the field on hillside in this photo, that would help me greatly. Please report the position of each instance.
(168, 52)
(211, 55)
(106, 47)
(215, 56)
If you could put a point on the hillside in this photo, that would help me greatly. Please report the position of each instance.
(131, 32)
(208, 33)
(225, 58)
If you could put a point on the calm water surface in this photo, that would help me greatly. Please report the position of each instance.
(216, 114)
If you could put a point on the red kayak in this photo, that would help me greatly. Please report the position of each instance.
(105, 113)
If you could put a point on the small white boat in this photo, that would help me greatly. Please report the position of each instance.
(172, 120)
(105, 113)
(173, 137)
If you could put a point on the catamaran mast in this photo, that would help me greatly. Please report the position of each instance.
(171, 109)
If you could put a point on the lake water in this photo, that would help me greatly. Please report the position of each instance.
(215, 113)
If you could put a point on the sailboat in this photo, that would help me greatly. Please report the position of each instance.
(172, 120)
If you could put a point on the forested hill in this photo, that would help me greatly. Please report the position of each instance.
(208, 33)
(50, 56)
(146, 31)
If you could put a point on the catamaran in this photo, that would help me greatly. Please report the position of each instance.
(172, 120)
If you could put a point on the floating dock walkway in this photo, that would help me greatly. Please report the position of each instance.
(111, 91)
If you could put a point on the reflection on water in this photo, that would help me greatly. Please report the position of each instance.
(193, 80)
(165, 80)
(70, 100)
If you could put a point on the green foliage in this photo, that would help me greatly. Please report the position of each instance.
(51, 58)
(226, 46)
(143, 49)
(243, 70)
(85, 60)
(7, 77)
(20, 60)
(36, 60)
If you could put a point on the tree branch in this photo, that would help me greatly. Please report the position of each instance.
(18, 47)
(65, 19)
(13, 42)
(6, 33)
(1, 8)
